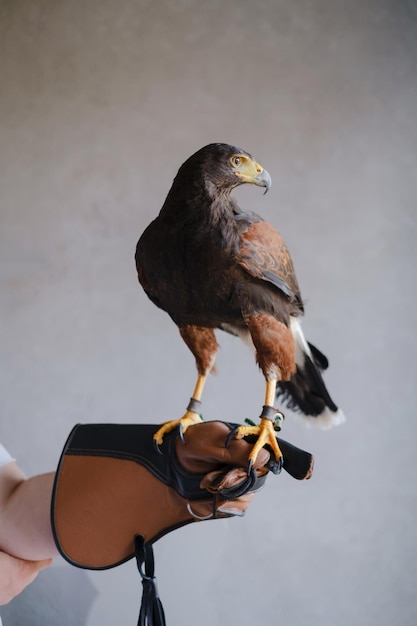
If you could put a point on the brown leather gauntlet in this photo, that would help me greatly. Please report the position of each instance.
(113, 485)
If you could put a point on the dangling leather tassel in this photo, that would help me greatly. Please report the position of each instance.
(151, 609)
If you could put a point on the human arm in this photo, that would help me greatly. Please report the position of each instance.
(25, 528)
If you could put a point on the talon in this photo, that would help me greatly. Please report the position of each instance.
(265, 436)
(182, 424)
(157, 446)
(233, 433)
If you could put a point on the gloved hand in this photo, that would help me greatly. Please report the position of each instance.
(112, 485)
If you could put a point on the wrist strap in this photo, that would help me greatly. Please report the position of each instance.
(151, 609)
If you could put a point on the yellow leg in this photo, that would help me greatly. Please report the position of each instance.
(265, 431)
(271, 387)
(198, 390)
(189, 418)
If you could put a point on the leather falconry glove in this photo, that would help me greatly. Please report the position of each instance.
(115, 494)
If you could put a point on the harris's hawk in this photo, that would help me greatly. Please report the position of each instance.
(210, 265)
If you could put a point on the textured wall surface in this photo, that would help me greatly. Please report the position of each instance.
(100, 102)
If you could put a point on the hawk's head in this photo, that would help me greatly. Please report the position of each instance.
(224, 167)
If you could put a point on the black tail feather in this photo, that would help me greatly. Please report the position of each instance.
(305, 391)
(319, 358)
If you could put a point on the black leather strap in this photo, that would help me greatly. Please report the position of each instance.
(269, 412)
(151, 609)
(194, 406)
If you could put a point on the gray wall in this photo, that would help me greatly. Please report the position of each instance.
(100, 103)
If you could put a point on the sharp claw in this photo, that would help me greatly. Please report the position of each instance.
(181, 433)
(250, 467)
(230, 436)
(157, 447)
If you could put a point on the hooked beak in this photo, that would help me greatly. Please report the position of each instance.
(263, 179)
(251, 172)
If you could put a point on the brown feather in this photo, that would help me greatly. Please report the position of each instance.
(264, 255)
(274, 344)
(210, 265)
(202, 343)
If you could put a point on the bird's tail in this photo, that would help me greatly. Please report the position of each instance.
(306, 392)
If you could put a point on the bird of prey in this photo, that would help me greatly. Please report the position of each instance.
(210, 265)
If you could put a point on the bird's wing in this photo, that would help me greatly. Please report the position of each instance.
(264, 255)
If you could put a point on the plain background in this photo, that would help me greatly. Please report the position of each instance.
(100, 103)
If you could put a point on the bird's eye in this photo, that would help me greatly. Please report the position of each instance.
(236, 161)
